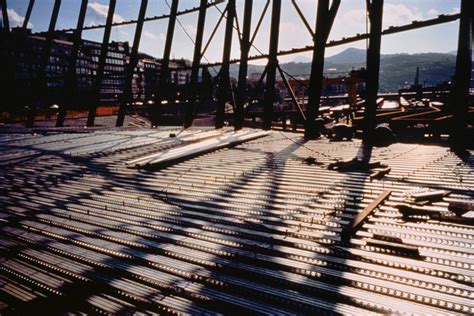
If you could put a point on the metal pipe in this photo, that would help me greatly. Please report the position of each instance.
(462, 77)
(102, 59)
(127, 95)
(71, 76)
(269, 97)
(224, 84)
(243, 67)
(375, 8)
(164, 79)
(193, 99)
(41, 87)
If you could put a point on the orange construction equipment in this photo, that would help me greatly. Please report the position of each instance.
(350, 82)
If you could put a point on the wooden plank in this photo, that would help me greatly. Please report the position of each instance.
(350, 229)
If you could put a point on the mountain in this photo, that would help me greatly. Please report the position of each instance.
(348, 56)
(455, 53)
(302, 59)
(396, 70)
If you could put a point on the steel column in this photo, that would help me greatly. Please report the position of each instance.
(16, 45)
(317, 69)
(41, 86)
(462, 77)
(269, 97)
(127, 95)
(243, 67)
(5, 63)
(224, 84)
(6, 21)
(102, 58)
(324, 21)
(28, 13)
(164, 80)
(193, 99)
(71, 76)
(375, 9)
(8, 63)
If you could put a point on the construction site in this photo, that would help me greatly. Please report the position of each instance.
(187, 193)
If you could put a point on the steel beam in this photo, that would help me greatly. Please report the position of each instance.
(193, 99)
(28, 14)
(71, 76)
(259, 23)
(224, 82)
(214, 31)
(269, 97)
(292, 93)
(359, 37)
(357, 222)
(243, 67)
(102, 59)
(5, 19)
(462, 77)
(148, 19)
(41, 86)
(303, 18)
(127, 95)
(375, 9)
(164, 80)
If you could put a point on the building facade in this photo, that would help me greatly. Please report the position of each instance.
(24, 50)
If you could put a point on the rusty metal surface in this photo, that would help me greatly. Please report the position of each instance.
(254, 228)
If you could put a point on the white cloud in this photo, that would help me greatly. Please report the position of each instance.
(16, 19)
(191, 29)
(154, 36)
(98, 13)
(150, 35)
(455, 10)
(123, 33)
(288, 39)
(399, 14)
(433, 13)
(354, 21)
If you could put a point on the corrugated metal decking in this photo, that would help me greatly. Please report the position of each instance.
(254, 228)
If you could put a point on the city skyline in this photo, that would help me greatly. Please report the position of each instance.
(349, 21)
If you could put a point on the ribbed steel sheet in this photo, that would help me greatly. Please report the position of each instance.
(250, 229)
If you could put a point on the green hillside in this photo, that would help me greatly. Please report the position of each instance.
(396, 70)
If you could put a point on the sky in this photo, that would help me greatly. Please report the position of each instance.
(350, 20)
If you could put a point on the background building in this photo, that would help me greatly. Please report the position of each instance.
(25, 50)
